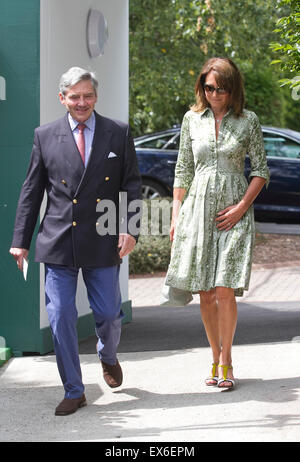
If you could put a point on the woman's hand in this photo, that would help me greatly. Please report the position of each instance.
(172, 231)
(178, 195)
(229, 217)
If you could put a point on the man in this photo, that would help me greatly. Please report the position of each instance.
(79, 160)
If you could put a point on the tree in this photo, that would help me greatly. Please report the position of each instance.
(288, 27)
(171, 39)
(161, 80)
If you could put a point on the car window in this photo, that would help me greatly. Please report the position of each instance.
(278, 146)
(157, 142)
(173, 143)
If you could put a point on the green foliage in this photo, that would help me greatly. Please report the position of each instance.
(288, 49)
(160, 83)
(239, 29)
(263, 94)
(171, 39)
(291, 110)
(150, 255)
(152, 252)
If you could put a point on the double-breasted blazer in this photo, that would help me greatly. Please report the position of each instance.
(67, 233)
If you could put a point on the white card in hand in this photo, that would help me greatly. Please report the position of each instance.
(25, 268)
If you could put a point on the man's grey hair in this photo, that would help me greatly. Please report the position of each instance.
(75, 75)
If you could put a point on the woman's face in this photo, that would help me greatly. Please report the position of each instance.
(218, 101)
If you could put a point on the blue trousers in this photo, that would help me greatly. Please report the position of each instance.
(104, 296)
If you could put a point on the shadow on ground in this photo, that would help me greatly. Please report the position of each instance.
(166, 328)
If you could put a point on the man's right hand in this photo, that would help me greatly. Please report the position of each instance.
(19, 255)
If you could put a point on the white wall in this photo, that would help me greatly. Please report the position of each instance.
(63, 45)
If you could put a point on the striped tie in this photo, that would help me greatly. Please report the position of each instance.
(81, 142)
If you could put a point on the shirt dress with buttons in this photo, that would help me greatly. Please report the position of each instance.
(212, 172)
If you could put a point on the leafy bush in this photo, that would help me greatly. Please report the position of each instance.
(151, 254)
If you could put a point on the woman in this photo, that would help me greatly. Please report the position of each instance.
(213, 231)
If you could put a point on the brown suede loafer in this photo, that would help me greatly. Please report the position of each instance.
(112, 375)
(69, 406)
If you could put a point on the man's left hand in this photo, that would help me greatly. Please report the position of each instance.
(126, 244)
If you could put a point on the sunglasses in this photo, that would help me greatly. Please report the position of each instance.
(211, 89)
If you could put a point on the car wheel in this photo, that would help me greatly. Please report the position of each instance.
(152, 190)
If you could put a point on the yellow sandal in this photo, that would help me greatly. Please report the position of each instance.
(225, 379)
(213, 378)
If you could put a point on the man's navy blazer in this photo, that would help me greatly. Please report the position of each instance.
(67, 234)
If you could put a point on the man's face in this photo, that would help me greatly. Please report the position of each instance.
(80, 100)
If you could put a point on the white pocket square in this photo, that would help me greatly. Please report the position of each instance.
(111, 154)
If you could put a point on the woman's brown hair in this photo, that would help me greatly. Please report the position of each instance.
(228, 77)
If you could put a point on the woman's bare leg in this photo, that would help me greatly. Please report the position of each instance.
(227, 319)
(209, 314)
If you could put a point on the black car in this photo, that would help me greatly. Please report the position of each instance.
(157, 155)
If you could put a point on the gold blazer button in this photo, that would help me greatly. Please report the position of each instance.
(98, 200)
(74, 223)
(106, 178)
(74, 201)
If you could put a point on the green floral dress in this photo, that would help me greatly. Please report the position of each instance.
(212, 172)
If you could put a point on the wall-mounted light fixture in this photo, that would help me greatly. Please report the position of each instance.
(97, 33)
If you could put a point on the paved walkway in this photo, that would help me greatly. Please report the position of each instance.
(266, 284)
(163, 397)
